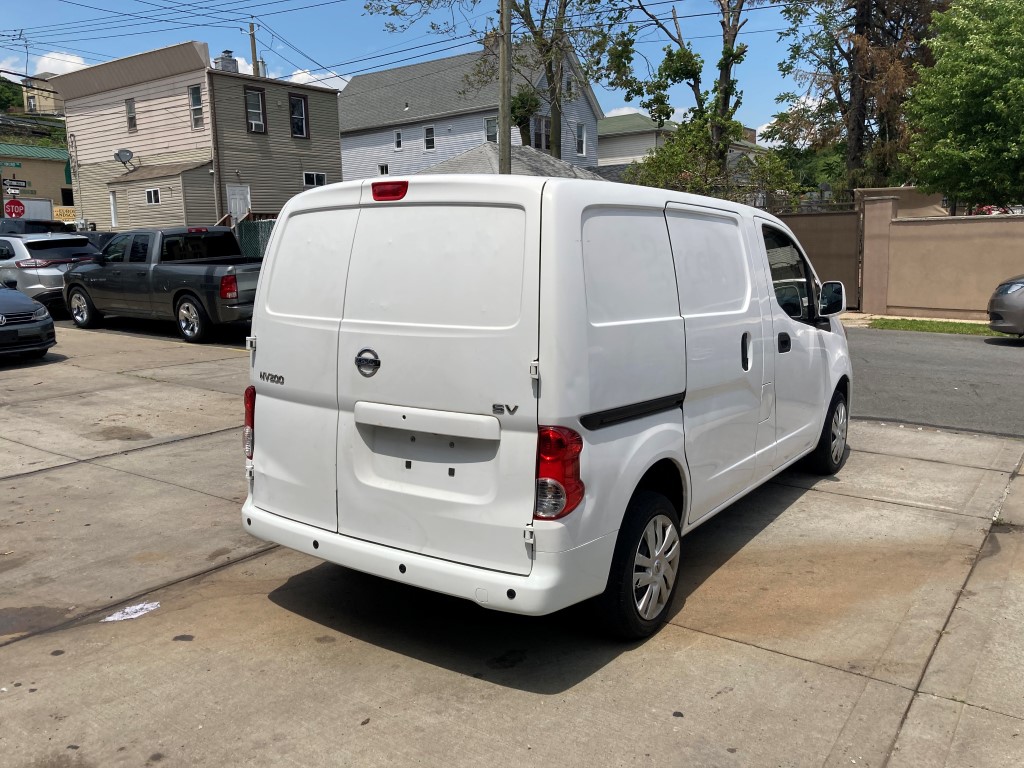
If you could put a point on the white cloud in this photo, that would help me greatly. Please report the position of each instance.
(59, 63)
(623, 111)
(330, 80)
(766, 142)
(680, 115)
(11, 65)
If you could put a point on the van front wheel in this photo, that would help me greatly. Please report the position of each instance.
(829, 454)
(644, 569)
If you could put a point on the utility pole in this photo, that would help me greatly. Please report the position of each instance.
(505, 90)
(252, 46)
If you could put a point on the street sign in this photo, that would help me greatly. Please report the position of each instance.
(15, 209)
(20, 183)
(9, 164)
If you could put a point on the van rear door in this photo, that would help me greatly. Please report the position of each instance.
(437, 438)
(295, 364)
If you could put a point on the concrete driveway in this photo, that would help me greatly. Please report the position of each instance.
(875, 618)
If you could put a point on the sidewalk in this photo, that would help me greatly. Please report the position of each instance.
(854, 319)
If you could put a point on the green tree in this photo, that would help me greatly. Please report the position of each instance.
(687, 162)
(553, 31)
(10, 95)
(967, 111)
(854, 64)
(714, 108)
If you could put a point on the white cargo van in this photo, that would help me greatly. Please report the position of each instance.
(522, 391)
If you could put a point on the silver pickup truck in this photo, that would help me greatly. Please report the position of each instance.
(194, 275)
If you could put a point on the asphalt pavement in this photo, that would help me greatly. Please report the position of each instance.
(937, 379)
(871, 619)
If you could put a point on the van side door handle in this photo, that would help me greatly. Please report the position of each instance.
(745, 351)
(785, 343)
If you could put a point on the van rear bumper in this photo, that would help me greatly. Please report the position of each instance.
(557, 580)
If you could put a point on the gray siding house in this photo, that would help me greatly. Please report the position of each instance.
(205, 142)
(402, 121)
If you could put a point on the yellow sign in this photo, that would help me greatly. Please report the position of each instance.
(64, 213)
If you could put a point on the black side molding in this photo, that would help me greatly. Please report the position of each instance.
(623, 413)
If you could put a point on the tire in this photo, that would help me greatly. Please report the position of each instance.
(193, 322)
(629, 611)
(829, 454)
(83, 312)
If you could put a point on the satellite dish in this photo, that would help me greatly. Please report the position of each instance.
(123, 156)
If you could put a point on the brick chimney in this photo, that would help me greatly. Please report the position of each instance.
(226, 62)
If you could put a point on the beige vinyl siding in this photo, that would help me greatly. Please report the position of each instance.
(133, 211)
(92, 195)
(618, 150)
(162, 113)
(272, 163)
(200, 204)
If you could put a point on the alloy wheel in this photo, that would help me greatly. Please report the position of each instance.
(654, 567)
(839, 427)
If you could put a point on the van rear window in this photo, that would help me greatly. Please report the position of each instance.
(455, 266)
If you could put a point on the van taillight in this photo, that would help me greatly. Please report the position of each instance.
(229, 287)
(389, 190)
(249, 431)
(559, 487)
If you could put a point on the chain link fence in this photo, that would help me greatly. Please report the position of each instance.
(253, 237)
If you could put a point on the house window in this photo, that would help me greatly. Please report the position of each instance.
(382, 169)
(152, 197)
(541, 128)
(129, 114)
(398, 140)
(491, 129)
(113, 209)
(581, 138)
(195, 105)
(255, 111)
(31, 103)
(311, 179)
(568, 86)
(298, 109)
(428, 137)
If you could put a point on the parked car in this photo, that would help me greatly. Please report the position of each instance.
(522, 391)
(1006, 307)
(35, 264)
(26, 327)
(196, 276)
(32, 226)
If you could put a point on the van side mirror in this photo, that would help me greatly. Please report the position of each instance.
(832, 300)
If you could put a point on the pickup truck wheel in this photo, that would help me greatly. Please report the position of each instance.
(193, 322)
(829, 454)
(83, 311)
(645, 568)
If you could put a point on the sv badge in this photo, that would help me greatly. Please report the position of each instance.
(500, 410)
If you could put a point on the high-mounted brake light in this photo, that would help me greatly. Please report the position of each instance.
(559, 487)
(249, 430)
(228, 287)
(384, 191)
(192, 230)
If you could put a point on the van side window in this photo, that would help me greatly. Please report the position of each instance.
(711, 262)
(627, 266)
(791, 278)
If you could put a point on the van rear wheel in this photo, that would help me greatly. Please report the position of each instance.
(645, 568)
(829, 454)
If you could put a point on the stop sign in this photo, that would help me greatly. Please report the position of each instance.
(14, 208)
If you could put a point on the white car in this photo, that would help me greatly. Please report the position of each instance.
(35, 264)
(522, 391)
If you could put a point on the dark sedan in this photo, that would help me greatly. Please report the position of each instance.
(26, 328)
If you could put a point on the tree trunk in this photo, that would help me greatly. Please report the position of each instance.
(857, 115)
(553, 73)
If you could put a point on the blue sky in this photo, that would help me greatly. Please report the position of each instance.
(310, 40)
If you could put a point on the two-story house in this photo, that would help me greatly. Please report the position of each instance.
(401, 121)
(202, 142)
(39, 96)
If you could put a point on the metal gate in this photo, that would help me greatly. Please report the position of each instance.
(253, 237)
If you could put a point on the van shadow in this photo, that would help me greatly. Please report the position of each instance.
(546, 655)
(232, 334)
